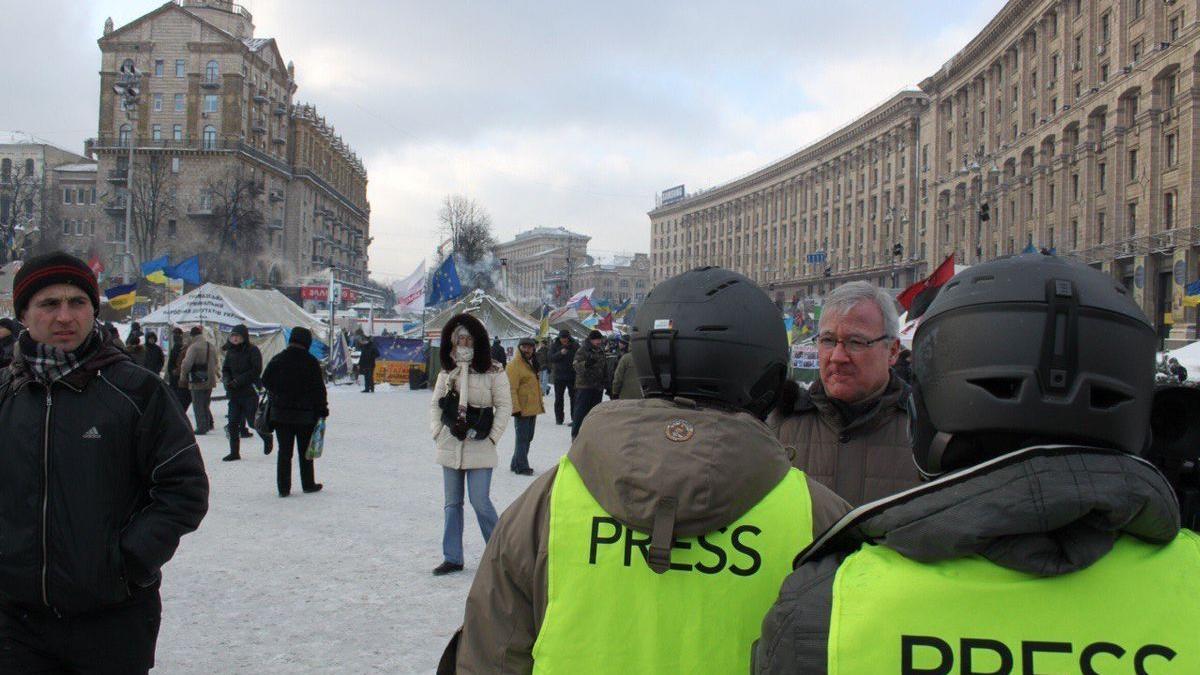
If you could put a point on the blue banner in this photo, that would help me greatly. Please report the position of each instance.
(400, 349)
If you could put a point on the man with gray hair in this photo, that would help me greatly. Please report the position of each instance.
(849, 430)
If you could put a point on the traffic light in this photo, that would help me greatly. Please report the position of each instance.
(985, 212)
(828, 271)
(127, 87)
(898, 250)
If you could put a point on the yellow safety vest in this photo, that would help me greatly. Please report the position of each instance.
(608, 612)
(1136, 610)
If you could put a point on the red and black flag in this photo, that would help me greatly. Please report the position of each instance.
(916, 298)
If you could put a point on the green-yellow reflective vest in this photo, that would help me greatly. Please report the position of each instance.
(608, 612)
(1136, 610)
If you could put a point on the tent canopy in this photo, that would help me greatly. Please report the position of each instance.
(501, 319)
(266, 313)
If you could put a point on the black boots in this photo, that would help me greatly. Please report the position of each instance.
(231, 457)
(446, 568)
(315, 487)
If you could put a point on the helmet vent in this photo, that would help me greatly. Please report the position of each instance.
(982, 278)
(1104, 398)
(722, 287)
(711, 329)
(1003, 388)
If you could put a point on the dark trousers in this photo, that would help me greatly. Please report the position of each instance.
(241, 414)
(200, 410)
(184, 396)
(558, 399)
(524, 427)
(584, 402)
(293, 436)
(113, 641)
(368, 373)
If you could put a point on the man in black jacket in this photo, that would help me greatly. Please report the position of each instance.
(179, 345)
(99, 478)
(298, 402)
(367, 354)
(153, 358)
(240, 374)
(562, 360)
(591, 375)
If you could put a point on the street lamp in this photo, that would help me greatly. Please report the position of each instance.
(130, 90)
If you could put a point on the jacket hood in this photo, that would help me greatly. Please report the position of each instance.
(481, 362)
(727, 464)
(1045, 510)
(796, 400)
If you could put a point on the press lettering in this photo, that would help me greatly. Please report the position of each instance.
(1089, 654)
(702, 554)
(1030, 649)
(632, 541)
(908, 647)
(930, 655)
(1139, 660)
(755, 558)
(715, 550)
(597, 539)
(681, 546)
(969, 647)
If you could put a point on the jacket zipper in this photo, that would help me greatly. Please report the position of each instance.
(46, 494)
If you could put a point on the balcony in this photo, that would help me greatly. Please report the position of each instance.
(276, 195)
(258, 126)
(279, 140)
(280, 109)
(118, 175)
(200, 210)
(117, 205)
(210, 83)
(276, 224)
(260, 96)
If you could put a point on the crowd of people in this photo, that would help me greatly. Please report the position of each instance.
(906, 512)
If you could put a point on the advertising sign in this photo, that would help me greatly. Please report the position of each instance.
(672, 195)
(397, 357)
(321, 294)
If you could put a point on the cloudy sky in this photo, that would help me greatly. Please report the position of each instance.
(546, 112)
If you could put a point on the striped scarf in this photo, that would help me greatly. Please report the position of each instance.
(49, 364)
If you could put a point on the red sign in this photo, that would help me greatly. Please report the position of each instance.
(321, 294)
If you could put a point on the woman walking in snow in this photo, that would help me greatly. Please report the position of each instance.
(470, 408)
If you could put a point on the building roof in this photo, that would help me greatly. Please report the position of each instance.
(549, 232)
(255, 44)
(77, 168)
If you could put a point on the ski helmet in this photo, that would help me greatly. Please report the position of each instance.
(711, 334)
(1027, 350)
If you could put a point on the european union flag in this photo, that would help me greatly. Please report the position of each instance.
(188, 270)
(445, 285)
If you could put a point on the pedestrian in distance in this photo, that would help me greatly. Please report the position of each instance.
(591, 378)
(660, 540)
(368, 352)
(241, 373)
(298, 402)
(100, 477)
(1177, 370)
(471, 406)
(10, 329)
(526, 402)
(154, 357)
(135, 349)
(849, 430)
(626, 384)
(562, 358)
(179, 344)
(1043, 542)
(198, 372)
(903, 367)
(498, 353)
(543, 359)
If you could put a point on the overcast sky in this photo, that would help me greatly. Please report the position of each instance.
(547, 113)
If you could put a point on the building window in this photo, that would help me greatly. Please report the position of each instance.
(158, 68)
(1074, 187)
(1138, 47)
(1078, 49)
(210, 137)
(210, 103)
(68, 196)
(1170, 149)
(1133, 167)
(66, 226)
(1102, 177)
(1100, 225)
(1173, 27)
(1103, 72)
(1131, 218)
(1074, 235)
(28, 167)
(79, 225)
(171, 229)
(158, 102)
(156, 132)
(81, 196)
(1169, 90)
(123, 135)
(1105, 30)
(177, 132)
(92, 196)
(1051, 195)
(1138, 8)
(180, 66)
(212, 71)
(1169, 210)
(179, 105)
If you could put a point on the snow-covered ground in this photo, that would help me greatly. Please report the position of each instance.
(338, 581)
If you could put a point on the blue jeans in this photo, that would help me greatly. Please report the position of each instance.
(479, 484)
(524, 427)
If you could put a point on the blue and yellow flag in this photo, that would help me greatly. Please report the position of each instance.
(544, 327)
(153, 270)
(1191, 294)
(121, 297)
(188, 270)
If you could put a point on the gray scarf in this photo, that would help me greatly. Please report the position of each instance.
(49, 364)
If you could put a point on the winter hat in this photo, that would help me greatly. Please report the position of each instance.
(241, 329)
(48, 270)
(301, 337)
(151, 338)
(564, 333)
(595, 335)
(195, 330)
(527, 341)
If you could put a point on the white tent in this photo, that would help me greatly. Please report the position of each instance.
(266, 313)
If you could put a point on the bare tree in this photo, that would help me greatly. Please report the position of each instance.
(236, 226)
(153, 194)
(21, 194)
(467, 226)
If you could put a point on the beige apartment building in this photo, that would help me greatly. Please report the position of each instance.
(623, 278)
(216, 108)
(44, 190)
(1072, 120)
(533, 257)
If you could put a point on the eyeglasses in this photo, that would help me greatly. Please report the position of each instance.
(853, 345)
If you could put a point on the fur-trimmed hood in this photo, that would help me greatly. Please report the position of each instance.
(482, 361)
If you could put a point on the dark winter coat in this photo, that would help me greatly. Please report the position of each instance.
(297, 387)
(1040, 511)
(562, 360)
(1179, 372)
(862, 459)
(99, 478)
(626, 384)
(591, 367)
(9, 343)
(368, 352)
(499, 355)
(242, 369)
(153, 358)
(542, 354)
(175, 358)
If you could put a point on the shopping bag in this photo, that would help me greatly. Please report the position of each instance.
(317, 444)
(262, 416)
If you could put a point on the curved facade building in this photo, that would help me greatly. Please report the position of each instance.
(1073, 121)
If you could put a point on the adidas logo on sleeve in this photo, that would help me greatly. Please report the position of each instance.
(92, 434)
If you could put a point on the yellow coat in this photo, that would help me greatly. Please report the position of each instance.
(526, 388)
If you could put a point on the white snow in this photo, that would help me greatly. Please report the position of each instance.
(338, 581)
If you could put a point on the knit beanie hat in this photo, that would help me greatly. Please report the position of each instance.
(50, 269)
(301, 336)
(595, 335)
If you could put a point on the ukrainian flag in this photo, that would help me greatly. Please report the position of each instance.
(153, 270)
(544, 327)
(1191, 294)
(121, 297)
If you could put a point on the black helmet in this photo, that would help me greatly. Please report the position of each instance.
(711, 334)
(1028, 350)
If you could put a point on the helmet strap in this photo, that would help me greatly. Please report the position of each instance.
(661, 345)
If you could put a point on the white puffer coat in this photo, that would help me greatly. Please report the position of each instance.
(484, 390)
